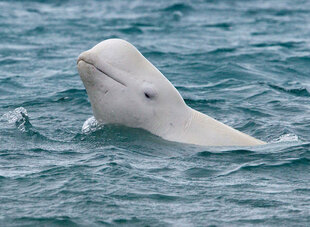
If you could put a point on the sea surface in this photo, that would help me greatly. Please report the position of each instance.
(245, 63)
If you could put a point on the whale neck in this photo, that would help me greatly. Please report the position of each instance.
(200, 129)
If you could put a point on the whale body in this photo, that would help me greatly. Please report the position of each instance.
(125, 88)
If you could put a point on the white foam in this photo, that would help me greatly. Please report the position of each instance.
(286, 138)
(19, 116)
(91, 125)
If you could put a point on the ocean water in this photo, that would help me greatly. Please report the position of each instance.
(245, 63)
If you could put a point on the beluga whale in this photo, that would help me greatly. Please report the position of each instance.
(124, 88)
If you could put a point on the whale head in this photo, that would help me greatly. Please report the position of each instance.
(125, 88)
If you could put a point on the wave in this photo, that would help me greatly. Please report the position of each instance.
(204, 101)
(197, 172)
(74, 96)
(255, 111)
(134, 221)
(181, 7)
(10, 83)
(260, 203)
(221, 25)
(286, 138)
(55, 172)
(279, 12)
(222, 50)
(20, 119)
(270, 166)
(12, 61)
(131, 30)
(159, 197)
(38, 30)
(225, 152)
(38, 221)
(288, 44)
(301, 92)
(219, 83)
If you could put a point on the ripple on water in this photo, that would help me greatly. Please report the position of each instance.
(245, 63)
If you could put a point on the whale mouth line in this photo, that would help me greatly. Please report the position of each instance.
(100, 70)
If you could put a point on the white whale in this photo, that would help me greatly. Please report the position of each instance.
(125, 88)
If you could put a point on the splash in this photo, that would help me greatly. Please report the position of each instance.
(91, 125)
(19, 117)
(286, 138)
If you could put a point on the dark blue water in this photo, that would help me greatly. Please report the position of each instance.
(245, 63)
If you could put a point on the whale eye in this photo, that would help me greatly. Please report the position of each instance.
(147, 95)
(149, 92)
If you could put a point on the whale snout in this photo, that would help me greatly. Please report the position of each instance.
(85, 56)
(90, 59)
